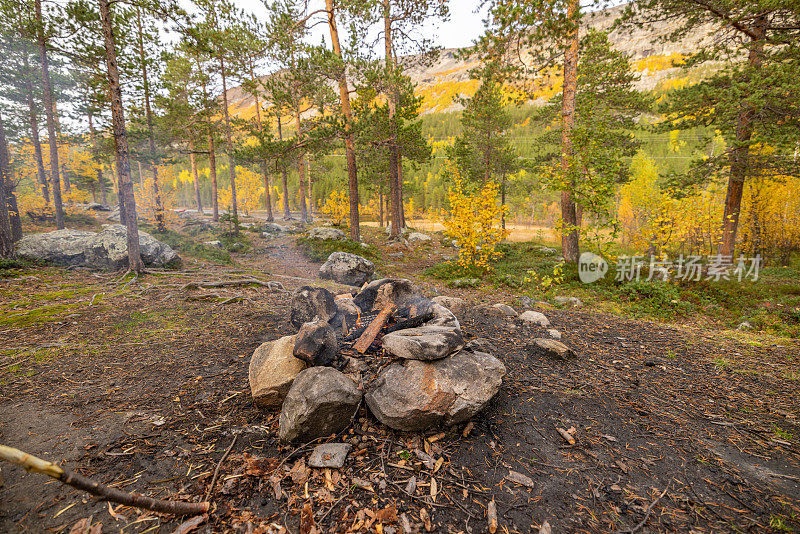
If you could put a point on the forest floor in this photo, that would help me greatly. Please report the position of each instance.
(142, 384)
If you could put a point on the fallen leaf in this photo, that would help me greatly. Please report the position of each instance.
(622, 466)
(387, 515)
(566, 435)
(438, 464)
(545, 528)
(468, 429)
(426, 519)
(609, 438)
(307, 519)
(190, 524)
(411, 485)
(519, 478)
(434, 489)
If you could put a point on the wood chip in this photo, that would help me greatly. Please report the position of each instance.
(519, 478)
(566, 435)
(491, 516)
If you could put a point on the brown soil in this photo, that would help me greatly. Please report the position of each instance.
(136, 386)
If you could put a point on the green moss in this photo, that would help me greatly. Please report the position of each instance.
(183, 244)
(42, 314)
(319, 250)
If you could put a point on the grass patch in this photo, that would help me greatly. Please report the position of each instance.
(319, 250)
(771, 304)
(183, 244)
(143, 325)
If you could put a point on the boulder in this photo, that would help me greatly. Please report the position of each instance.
(347, 268)
(216, 243)
(105, 250)
(414, 395)
(64, 247)
(506, 310)
(419, 237)
(274, 228)
(571, 302)
(316, 343)
(465, 282)
(310, 302)
(403, 231)
(454, 304)
(555, 334)
(535, 317)
(322, 401)
(113, 216)
(550, 348)
(325, 233)
(94, 206)
(273, 368)
(442, 317)
(109, 250)
(378, 293)
(424, 343)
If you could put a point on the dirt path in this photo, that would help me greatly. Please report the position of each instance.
(134, 385)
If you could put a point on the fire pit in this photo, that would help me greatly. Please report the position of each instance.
(404, 351)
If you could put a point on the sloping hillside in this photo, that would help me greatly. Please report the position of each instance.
(448, 76)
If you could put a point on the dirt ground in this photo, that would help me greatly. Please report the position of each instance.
(142, 385)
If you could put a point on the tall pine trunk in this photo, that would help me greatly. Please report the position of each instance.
(121, 140)
(160, 224)
(284, 177)
(193, 164)
(265, 163)
(7, 200)
(212, 163)
(34, 122)
(569, 237)
(49, 108)
(229, 144)
(740, 164)
(347, 111)
(394, 153)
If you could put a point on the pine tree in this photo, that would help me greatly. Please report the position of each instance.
(751, 100)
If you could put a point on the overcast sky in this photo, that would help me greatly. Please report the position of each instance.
(461, 30)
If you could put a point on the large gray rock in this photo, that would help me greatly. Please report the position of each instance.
(64, 247)
(322, 401)
(326, 233)
(419, 237)
(442, 317)
(571, 302)
(378, 293)
(316, 343)
(347, 268)
(424, 343)
(414, 395)
(454, 304)
(109, 250)
(105, 250)
(273, 368)
(274, 228)
(535, 317)
(310, 302)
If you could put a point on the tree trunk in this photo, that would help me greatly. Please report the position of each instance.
(310, 191)
(394, 154)
(503, 200)
(7, 198)
(102, 182)
(34, 122)
(49, 106)
(212, 172)
(347, 111)
(380, 205)
(193, 163)
(121, 140)
(400, 189)
(569, 236)
(740, 164)
(284, 176)
(229, 145)
(159, 208)
(265, 163)
(212, 164)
